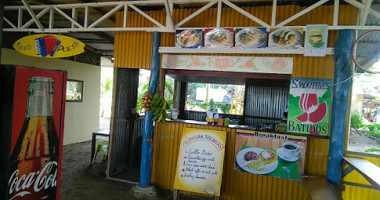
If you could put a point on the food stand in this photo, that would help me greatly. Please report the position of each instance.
(167, 136)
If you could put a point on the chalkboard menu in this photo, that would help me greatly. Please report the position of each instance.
(200, 161)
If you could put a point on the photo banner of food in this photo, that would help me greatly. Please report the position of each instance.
(286, 38)
(316, 40)
(309, 106)
(270, 154)
(200, 161)
(189, 38)
(219, 38)
(251, 37)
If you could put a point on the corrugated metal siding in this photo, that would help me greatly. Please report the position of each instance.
(263, 101)
(354, 193)
(134, 156)
(133, 49)
(125, 101)
(236, 185)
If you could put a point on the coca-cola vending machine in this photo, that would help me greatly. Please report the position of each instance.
(32, 109)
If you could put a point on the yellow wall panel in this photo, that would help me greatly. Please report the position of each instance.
(134, 48)
(236, 185)
(352, 192)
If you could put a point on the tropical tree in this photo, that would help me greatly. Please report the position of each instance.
(106, 88)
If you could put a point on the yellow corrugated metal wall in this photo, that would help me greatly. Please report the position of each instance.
(133, 50)
(236, 185)
(360, 193)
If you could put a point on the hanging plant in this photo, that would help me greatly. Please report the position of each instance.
(159, 108)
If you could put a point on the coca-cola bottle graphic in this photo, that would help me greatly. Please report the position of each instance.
(34, 159)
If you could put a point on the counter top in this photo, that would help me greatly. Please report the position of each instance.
(246, 127)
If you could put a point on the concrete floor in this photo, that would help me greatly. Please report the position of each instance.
(80, 181)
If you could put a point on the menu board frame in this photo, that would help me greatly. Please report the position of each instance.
(200, 161)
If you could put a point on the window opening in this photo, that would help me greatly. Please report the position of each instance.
(223, 98)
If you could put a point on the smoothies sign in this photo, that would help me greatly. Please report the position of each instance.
(270, 154)
(200, 161)
(309, 106)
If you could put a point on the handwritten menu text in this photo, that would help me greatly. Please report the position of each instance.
(200, 161)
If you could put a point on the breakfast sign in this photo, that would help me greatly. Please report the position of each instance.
(49, 46)
(270, 154)
(200, 161)
(309, 106)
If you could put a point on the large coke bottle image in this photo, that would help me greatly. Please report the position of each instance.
(34, 160)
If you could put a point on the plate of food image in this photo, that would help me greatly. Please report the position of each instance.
(286, 39)
(189, 38)
(256, 160)
(250, 38)
(315, 37)
(219, 37)
(211, 188)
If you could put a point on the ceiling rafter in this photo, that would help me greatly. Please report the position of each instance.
(80, 25)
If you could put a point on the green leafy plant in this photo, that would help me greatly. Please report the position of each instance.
(371, 150)
(374, 129)
(356, 120)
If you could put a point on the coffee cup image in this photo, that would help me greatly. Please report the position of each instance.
(292, 150)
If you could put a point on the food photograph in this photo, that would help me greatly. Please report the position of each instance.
(285, 39)
(316, 40)
(219, 38)
(251, 37)
(189, 38)
(269, 154)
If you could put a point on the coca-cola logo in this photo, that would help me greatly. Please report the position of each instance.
(39, 180)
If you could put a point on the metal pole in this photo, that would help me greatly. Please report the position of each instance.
(339, 111)
(146, 154)
(1, 24)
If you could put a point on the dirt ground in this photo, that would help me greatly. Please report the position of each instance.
(360, 141)
(80, 181)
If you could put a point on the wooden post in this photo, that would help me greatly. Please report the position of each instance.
(339, 106)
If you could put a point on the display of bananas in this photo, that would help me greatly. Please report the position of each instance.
(146, 100)
(158, 108)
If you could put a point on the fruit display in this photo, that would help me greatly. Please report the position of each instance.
(146, 100)
(159, 108)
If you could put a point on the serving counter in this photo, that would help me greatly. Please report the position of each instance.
(236, 184)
